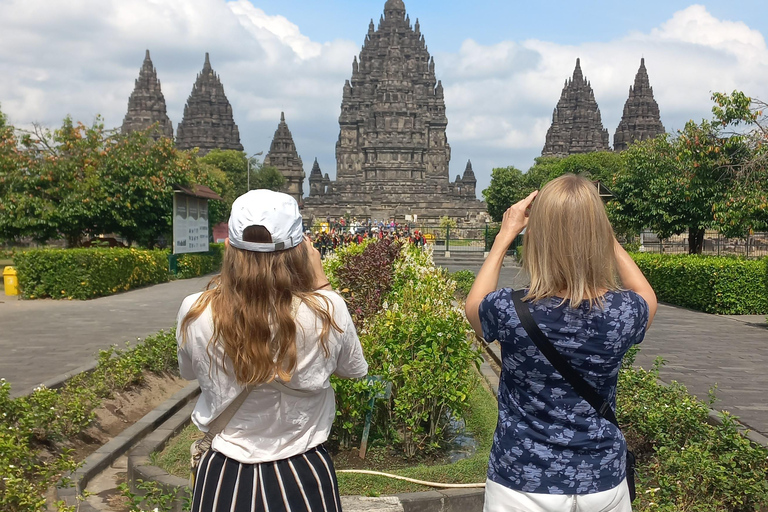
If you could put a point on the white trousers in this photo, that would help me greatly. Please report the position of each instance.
(503, 499)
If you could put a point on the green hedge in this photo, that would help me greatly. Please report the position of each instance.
(194, 265)
(721, 285)
(35, 430)
(685, 463)
(87, 273)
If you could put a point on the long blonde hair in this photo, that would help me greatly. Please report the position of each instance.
(252, 303)
(568, 246)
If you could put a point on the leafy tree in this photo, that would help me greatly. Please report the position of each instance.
(508, 185)
(80, 181)
(747, 205)
(677, 184)
(234, 164)
(447, 222)
(267, 177)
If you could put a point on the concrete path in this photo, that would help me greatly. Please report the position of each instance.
(42, 339)
(701, 350)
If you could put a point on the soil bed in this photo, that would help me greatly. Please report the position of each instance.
(480, 421)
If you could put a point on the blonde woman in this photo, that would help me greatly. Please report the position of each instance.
(552, 451)
(269, 320)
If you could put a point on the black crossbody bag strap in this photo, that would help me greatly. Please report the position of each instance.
(581, 386)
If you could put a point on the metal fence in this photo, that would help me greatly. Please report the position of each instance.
(455, 239)
(753, 246)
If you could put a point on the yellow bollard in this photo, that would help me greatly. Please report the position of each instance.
(11, 281)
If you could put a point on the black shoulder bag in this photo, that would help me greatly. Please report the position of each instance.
(578, 383)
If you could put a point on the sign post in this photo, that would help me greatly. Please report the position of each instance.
(190, 218)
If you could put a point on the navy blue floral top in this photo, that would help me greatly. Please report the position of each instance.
(548, 439)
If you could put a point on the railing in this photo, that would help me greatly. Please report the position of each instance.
(753, 246)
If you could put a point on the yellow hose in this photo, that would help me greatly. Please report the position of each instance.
(412, 480)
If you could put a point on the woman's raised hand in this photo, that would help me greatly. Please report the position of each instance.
(515, 219)
(316, 262)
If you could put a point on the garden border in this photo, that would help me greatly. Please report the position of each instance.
(152, 432)
(99, 460)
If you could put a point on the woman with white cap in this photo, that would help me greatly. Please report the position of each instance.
(269, 332)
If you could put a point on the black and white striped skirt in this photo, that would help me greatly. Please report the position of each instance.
(302, 483)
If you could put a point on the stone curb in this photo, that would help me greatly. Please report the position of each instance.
(60, 380)
(141, 468)
(713, 416)
(99, 460)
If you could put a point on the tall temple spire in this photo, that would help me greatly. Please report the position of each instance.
(208, 122)
(641, 119)
(577, 126)
(316, 180)
(284, 157)
(392, 154)
(146, 105)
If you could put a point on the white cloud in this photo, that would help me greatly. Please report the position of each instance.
(81, 58)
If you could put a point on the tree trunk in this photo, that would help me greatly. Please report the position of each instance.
(695, 240)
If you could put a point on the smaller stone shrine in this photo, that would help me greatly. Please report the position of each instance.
(146, 105)
(284, 157)
(641, 119)
(208, 122)
(577, 126)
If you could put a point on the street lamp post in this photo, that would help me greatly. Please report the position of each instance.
(249, 168)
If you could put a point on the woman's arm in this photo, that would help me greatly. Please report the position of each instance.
(633, 279)
(514, 221)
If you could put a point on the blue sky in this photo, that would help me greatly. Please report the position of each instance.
(502, 64)
(448, 23)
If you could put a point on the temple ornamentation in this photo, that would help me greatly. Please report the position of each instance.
(146, 106)
(208, 122)
(392, 155)
(641, 119)
(284, 157)
(576, 123)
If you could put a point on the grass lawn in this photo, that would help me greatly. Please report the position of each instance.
(480, 420)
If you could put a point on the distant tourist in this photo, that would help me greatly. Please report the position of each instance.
(552, 451)
(269, 324)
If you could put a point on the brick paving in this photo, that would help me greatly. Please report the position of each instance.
(40, 340)
(701, 351)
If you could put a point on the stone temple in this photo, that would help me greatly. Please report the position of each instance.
(146, 106)
(641, 119)
(208, 122)
(284, 157)
(392, 155)
(576, 123)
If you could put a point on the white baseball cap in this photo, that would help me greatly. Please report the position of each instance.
(277, 212)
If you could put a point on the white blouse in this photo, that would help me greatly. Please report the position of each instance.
(272, 424)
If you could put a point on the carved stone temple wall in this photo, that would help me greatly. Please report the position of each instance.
(576, 123)
(208, 122)
(392, 155)
(641, 119)
(284, 157)
(146, 105)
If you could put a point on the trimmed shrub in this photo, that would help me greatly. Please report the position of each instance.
(686, 463)
(200, 264)
(366, 277)
(413, 337)
(87, 273)
(34, 429)
(464, 281)
(712, 284)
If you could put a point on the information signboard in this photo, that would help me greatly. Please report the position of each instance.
(190, 224)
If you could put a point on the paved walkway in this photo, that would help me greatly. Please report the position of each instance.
(42, 339)
(701, 351)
